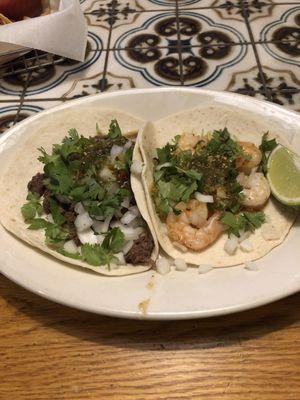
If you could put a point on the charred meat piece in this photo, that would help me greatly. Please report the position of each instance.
(36, 185)
(141, 250)
(46, 202)
(70, 227)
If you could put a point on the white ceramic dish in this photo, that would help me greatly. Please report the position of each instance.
(178, 295)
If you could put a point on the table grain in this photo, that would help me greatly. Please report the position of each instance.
(49, 351)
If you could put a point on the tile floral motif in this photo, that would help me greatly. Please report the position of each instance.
(282, 86)
(48, 78)
(105, 14)
(185, 49)
(96, 84)
(236, 9)
(286, 32)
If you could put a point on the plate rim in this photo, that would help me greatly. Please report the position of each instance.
(177, 315)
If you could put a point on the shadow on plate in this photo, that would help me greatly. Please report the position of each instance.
(151, 335)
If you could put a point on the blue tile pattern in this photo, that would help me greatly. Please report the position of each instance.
(245, 46)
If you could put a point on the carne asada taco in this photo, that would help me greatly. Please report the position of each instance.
(72, 195)
(206, 191)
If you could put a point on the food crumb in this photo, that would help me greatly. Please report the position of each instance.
(143, 306)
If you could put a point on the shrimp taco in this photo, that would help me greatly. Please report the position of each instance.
(69, 191)
(205, 186)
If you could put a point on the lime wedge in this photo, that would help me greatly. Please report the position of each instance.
(284, 175)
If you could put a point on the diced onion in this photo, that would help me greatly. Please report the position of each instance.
(101, 227)
(87, 236)
(204, 268)
(163, 266)
(204, 198)
(180, 264)
(113, 188)
(269, 232)
(100, 239)
(50, 218)
(243, 235)
(246, 246)
(115, 152)
(79, 209)
(128, 217)
(121, 259)
(231, 244)
(83, 222)
(166, 164)
(70, 247)
(136, 167)
(131, 233)
(127, 246)
(135, 210)
(106, 174)
(137, 222)
(114, 266)
(251, 266)
(128, 144)
(126, 202)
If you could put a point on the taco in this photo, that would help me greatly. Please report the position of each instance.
(72, 195)
(206, 191)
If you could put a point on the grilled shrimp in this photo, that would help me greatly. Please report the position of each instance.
(188, 141)
(192, 228)
(256, 189)
(250, 150)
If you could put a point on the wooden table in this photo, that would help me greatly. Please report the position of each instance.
(48, 351)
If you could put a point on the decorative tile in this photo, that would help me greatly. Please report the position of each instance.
(247, 81)
(214, 67)
(286, 33)
(236, 10)
(149, 29)
(199, 24)
(11, 115)
(54, 81)
(148, 67)
(164, 29)
(283, 23)
(282, 78)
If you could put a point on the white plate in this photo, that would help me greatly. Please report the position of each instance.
(178, 295)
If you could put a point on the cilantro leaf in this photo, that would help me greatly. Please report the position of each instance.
(96, 255)
(234, 222)
(28, 211)
(266, 147)
(191, 173)
(254, 220)
(114, 240)
(246, 221)
(32, 208)
(114, 131)
(55, 235)
(57, 216)
(38, 223)
(75, 256)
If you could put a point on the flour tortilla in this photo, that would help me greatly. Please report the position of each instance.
(243, 126)
(22, 165)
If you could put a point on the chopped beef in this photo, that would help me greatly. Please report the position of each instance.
(123, 176)
(70, 227)
(70, 216)
(36, 185)
(46, 202)
(141, 250)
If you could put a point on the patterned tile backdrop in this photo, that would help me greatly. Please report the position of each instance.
(250, 47)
